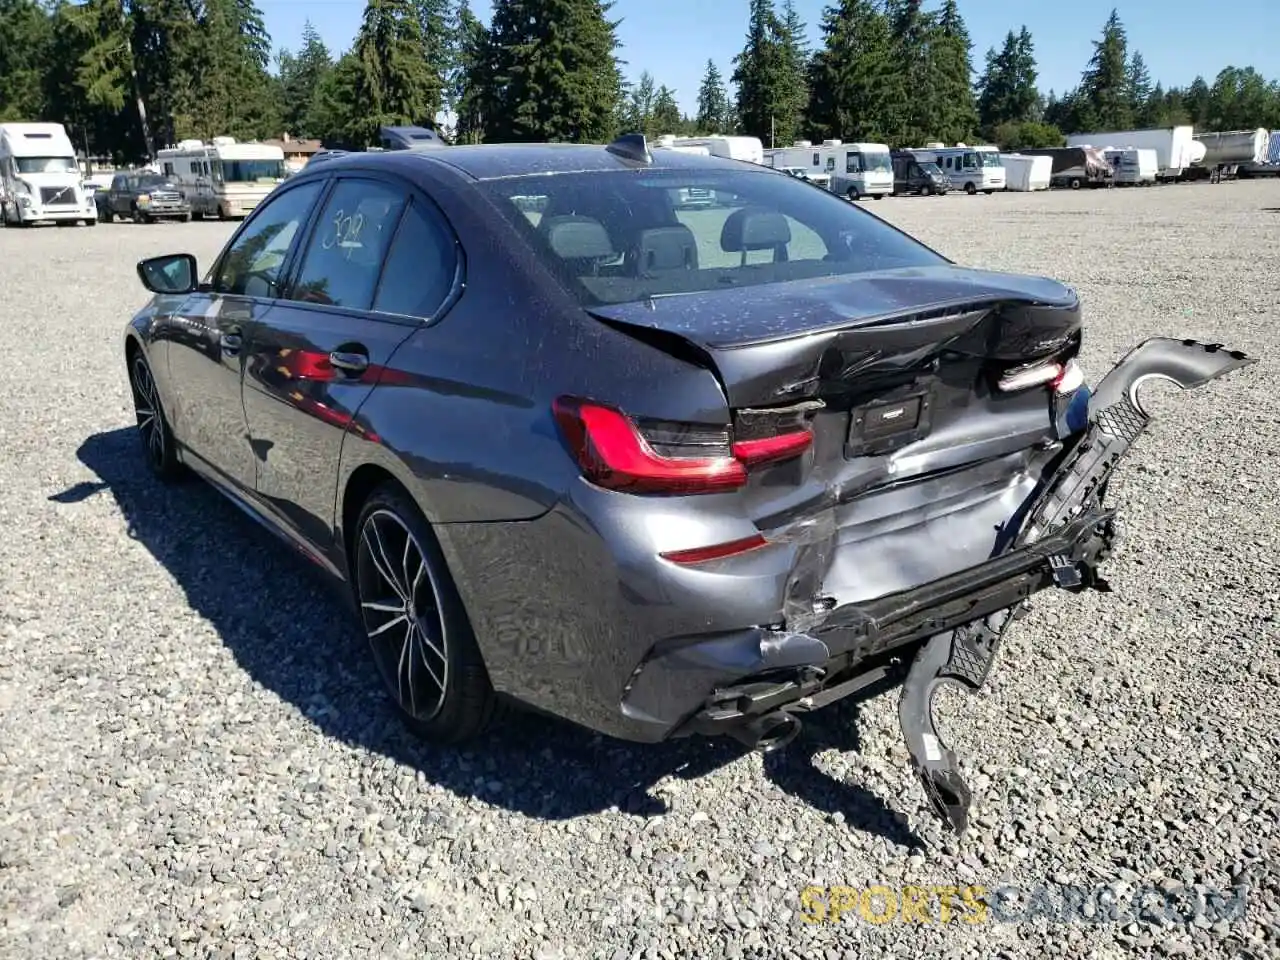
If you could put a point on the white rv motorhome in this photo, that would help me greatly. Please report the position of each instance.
(223, 178)
(972, 169)
(40, 179)
(859, 169)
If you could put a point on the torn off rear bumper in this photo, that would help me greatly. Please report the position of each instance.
(1063, 533)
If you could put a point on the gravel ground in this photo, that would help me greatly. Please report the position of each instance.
(195, 759)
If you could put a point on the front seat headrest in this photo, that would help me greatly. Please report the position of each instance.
(754, 228)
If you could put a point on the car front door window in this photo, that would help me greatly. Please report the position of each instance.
(253, 264)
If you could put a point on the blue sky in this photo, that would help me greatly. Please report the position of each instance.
(674, 38)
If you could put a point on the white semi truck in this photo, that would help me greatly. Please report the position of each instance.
(40, 178)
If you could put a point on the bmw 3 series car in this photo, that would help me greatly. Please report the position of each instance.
(660, 471)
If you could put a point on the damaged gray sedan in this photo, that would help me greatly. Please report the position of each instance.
(564, 440)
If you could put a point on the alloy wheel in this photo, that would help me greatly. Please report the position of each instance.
(146, 405)
(401, 611)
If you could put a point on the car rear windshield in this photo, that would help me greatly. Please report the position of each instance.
(623, 236)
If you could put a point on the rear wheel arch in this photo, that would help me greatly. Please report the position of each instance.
(365, 479)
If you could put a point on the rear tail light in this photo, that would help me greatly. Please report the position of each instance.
(1062, 377)
(650, 456)
(614, 453)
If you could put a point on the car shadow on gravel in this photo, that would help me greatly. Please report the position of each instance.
(291, 635)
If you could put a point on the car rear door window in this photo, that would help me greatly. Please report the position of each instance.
(343, 258)
(420, 265)
(252, 266)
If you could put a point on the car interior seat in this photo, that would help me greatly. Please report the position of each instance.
(662, 250)
(756, 228)
(581, 242)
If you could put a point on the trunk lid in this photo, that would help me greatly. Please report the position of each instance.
(918, 461)
(783, 342)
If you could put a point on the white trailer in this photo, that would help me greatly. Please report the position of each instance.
(749, 149)
(1025, 174)
(223, 178)
(40, 178)
(1133, 168)
(1174, 146)
(972, 169)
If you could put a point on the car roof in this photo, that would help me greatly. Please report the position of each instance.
(498, 160)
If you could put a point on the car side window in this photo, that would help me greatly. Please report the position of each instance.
(343, 258)
(252, 265)
(420, 267)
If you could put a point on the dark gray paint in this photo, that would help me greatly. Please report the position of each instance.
(562, 580)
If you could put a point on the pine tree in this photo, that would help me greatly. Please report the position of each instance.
(26, 36)
(301, 75)
(760, 74)
(465, 81)
(638, 115)
(396, 83)
(1007, 91)
(552, 71)
(1139, 81)
(1105, 102)
(955, 116)
(666, 116)
(851, 86)
(713, 103)
(793, 81)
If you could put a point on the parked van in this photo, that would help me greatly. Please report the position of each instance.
(971, 169)
(40, 178)
(914, 176)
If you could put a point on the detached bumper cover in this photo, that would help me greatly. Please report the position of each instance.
(1070, 505)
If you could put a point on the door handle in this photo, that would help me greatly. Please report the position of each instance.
(349, 362)
(230, 343)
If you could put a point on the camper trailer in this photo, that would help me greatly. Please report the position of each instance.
(971, 169)
(1133, 167)
(223, 178)
(1076, 167)
(40, 179)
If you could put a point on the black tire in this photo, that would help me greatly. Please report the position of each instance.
(970, 189)
(1075, 183)
(158, 448)
(458, 701)
(853, 194)
(185, 218)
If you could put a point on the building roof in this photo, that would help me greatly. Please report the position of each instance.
(290, 145)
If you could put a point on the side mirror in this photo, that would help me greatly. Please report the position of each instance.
(171, 273)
